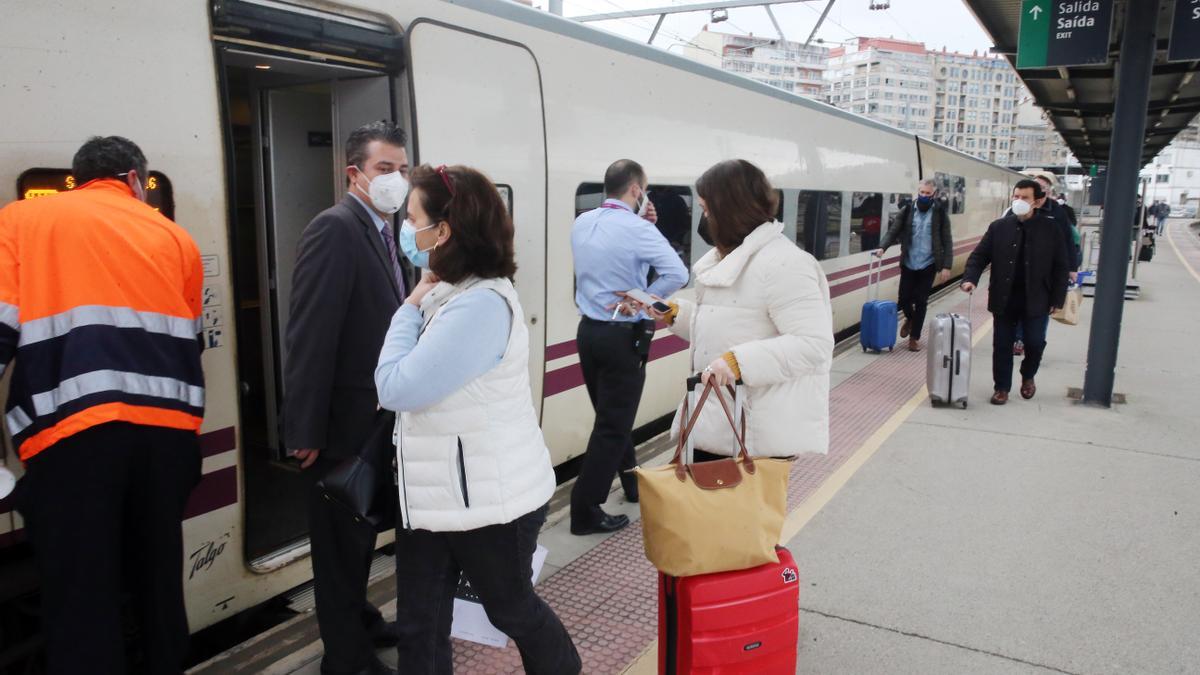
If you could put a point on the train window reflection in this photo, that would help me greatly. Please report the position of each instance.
(506, 194)
(952, 190)
(819, 222)
(34, 183)
(866, 219)
(673, 204)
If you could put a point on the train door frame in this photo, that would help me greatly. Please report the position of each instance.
(264, 549)
(533, 212)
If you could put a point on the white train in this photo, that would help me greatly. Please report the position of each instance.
(242, 107)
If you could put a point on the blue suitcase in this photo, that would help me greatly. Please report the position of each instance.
(877, 330)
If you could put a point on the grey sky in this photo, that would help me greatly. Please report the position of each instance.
(937, 23)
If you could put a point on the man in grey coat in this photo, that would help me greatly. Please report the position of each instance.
(347, 284)
(926, 255)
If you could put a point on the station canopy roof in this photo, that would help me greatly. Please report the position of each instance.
(1079, 99)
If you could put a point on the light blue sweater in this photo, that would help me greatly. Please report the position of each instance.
(417, 370)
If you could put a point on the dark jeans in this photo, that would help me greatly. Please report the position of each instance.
(1004, 334)
(103, 510)
(915, 286)
(341, 559)
(1020, 334)
(498, 562)
(615, 374)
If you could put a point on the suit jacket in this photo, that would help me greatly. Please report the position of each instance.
(1045, 263)
(939, 232)
(343, 297)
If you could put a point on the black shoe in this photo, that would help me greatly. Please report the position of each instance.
(604, 524)
(385, 635)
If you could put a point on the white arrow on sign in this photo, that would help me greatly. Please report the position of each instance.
(1036, 11)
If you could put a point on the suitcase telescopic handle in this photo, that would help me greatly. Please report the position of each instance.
(874, 271)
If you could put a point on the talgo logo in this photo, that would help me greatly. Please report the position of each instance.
(789, 575)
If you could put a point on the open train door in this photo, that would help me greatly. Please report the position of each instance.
(477, 100)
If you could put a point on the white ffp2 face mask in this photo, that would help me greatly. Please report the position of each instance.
(1020, 207)
(388, 191)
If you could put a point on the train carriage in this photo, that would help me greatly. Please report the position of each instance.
(242, 107)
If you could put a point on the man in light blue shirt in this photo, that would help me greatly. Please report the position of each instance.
(614, 250)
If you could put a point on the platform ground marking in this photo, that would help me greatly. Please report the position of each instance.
(1179, 254)
(798, 518)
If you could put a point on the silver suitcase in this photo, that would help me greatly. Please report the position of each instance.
(949, 353)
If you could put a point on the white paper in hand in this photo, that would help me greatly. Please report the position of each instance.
(471, 622)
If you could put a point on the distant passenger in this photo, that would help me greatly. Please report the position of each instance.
(614, 250)
(1029, 280)
(347, 283)
(1161, 211)
(763, 316)
(100, 301)
(1064, 223)
(475, 475)
(926, 256)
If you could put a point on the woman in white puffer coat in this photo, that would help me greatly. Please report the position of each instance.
(474, 475)
(761, 314)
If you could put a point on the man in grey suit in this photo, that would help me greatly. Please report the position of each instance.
(348, 281)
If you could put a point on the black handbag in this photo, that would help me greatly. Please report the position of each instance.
(363, 484)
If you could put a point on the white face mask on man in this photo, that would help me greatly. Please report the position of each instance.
(1020, 207)
(387, 191)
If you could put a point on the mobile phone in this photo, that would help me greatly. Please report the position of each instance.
(645, 299)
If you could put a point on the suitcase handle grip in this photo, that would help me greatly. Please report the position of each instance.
(957, 362)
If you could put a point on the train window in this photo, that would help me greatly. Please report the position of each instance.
(779, 210)
(506, 194)
(673, 203)
(895, 202)
(34, 183)
(952, 190)
(819, 222)
(866, 219)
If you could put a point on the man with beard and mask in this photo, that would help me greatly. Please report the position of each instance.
(926, 256)
(347, 284)
(614, 249)
(1028, 258)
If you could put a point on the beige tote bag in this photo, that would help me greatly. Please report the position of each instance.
(713, 516)
(1069, 314)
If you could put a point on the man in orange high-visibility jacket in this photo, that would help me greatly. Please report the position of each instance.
(100, 306)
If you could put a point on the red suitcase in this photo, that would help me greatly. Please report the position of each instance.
(740, 622)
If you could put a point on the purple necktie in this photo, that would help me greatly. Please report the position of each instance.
(390, 241)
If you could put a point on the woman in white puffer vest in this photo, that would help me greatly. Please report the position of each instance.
(761, 314)
(474, 473)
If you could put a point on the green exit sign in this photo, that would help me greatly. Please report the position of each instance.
(1064, 33)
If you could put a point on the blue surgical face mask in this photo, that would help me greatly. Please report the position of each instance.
(408, 244)
(924, 202)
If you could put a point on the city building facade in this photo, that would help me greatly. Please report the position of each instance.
(884, 79)
(1174, 175)
(787, 65)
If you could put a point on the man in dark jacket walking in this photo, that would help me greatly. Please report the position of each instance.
(1028, 258)
(926, 252)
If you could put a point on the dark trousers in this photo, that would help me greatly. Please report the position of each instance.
(103, 510)
(915, 286)
(497, 560)
(615, 373)
(1020, 333)
(1004, 334)
(341, 559)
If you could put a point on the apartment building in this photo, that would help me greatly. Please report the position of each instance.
(787, 65)
(884, 79)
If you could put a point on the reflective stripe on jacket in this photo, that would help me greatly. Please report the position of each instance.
(100, 304)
